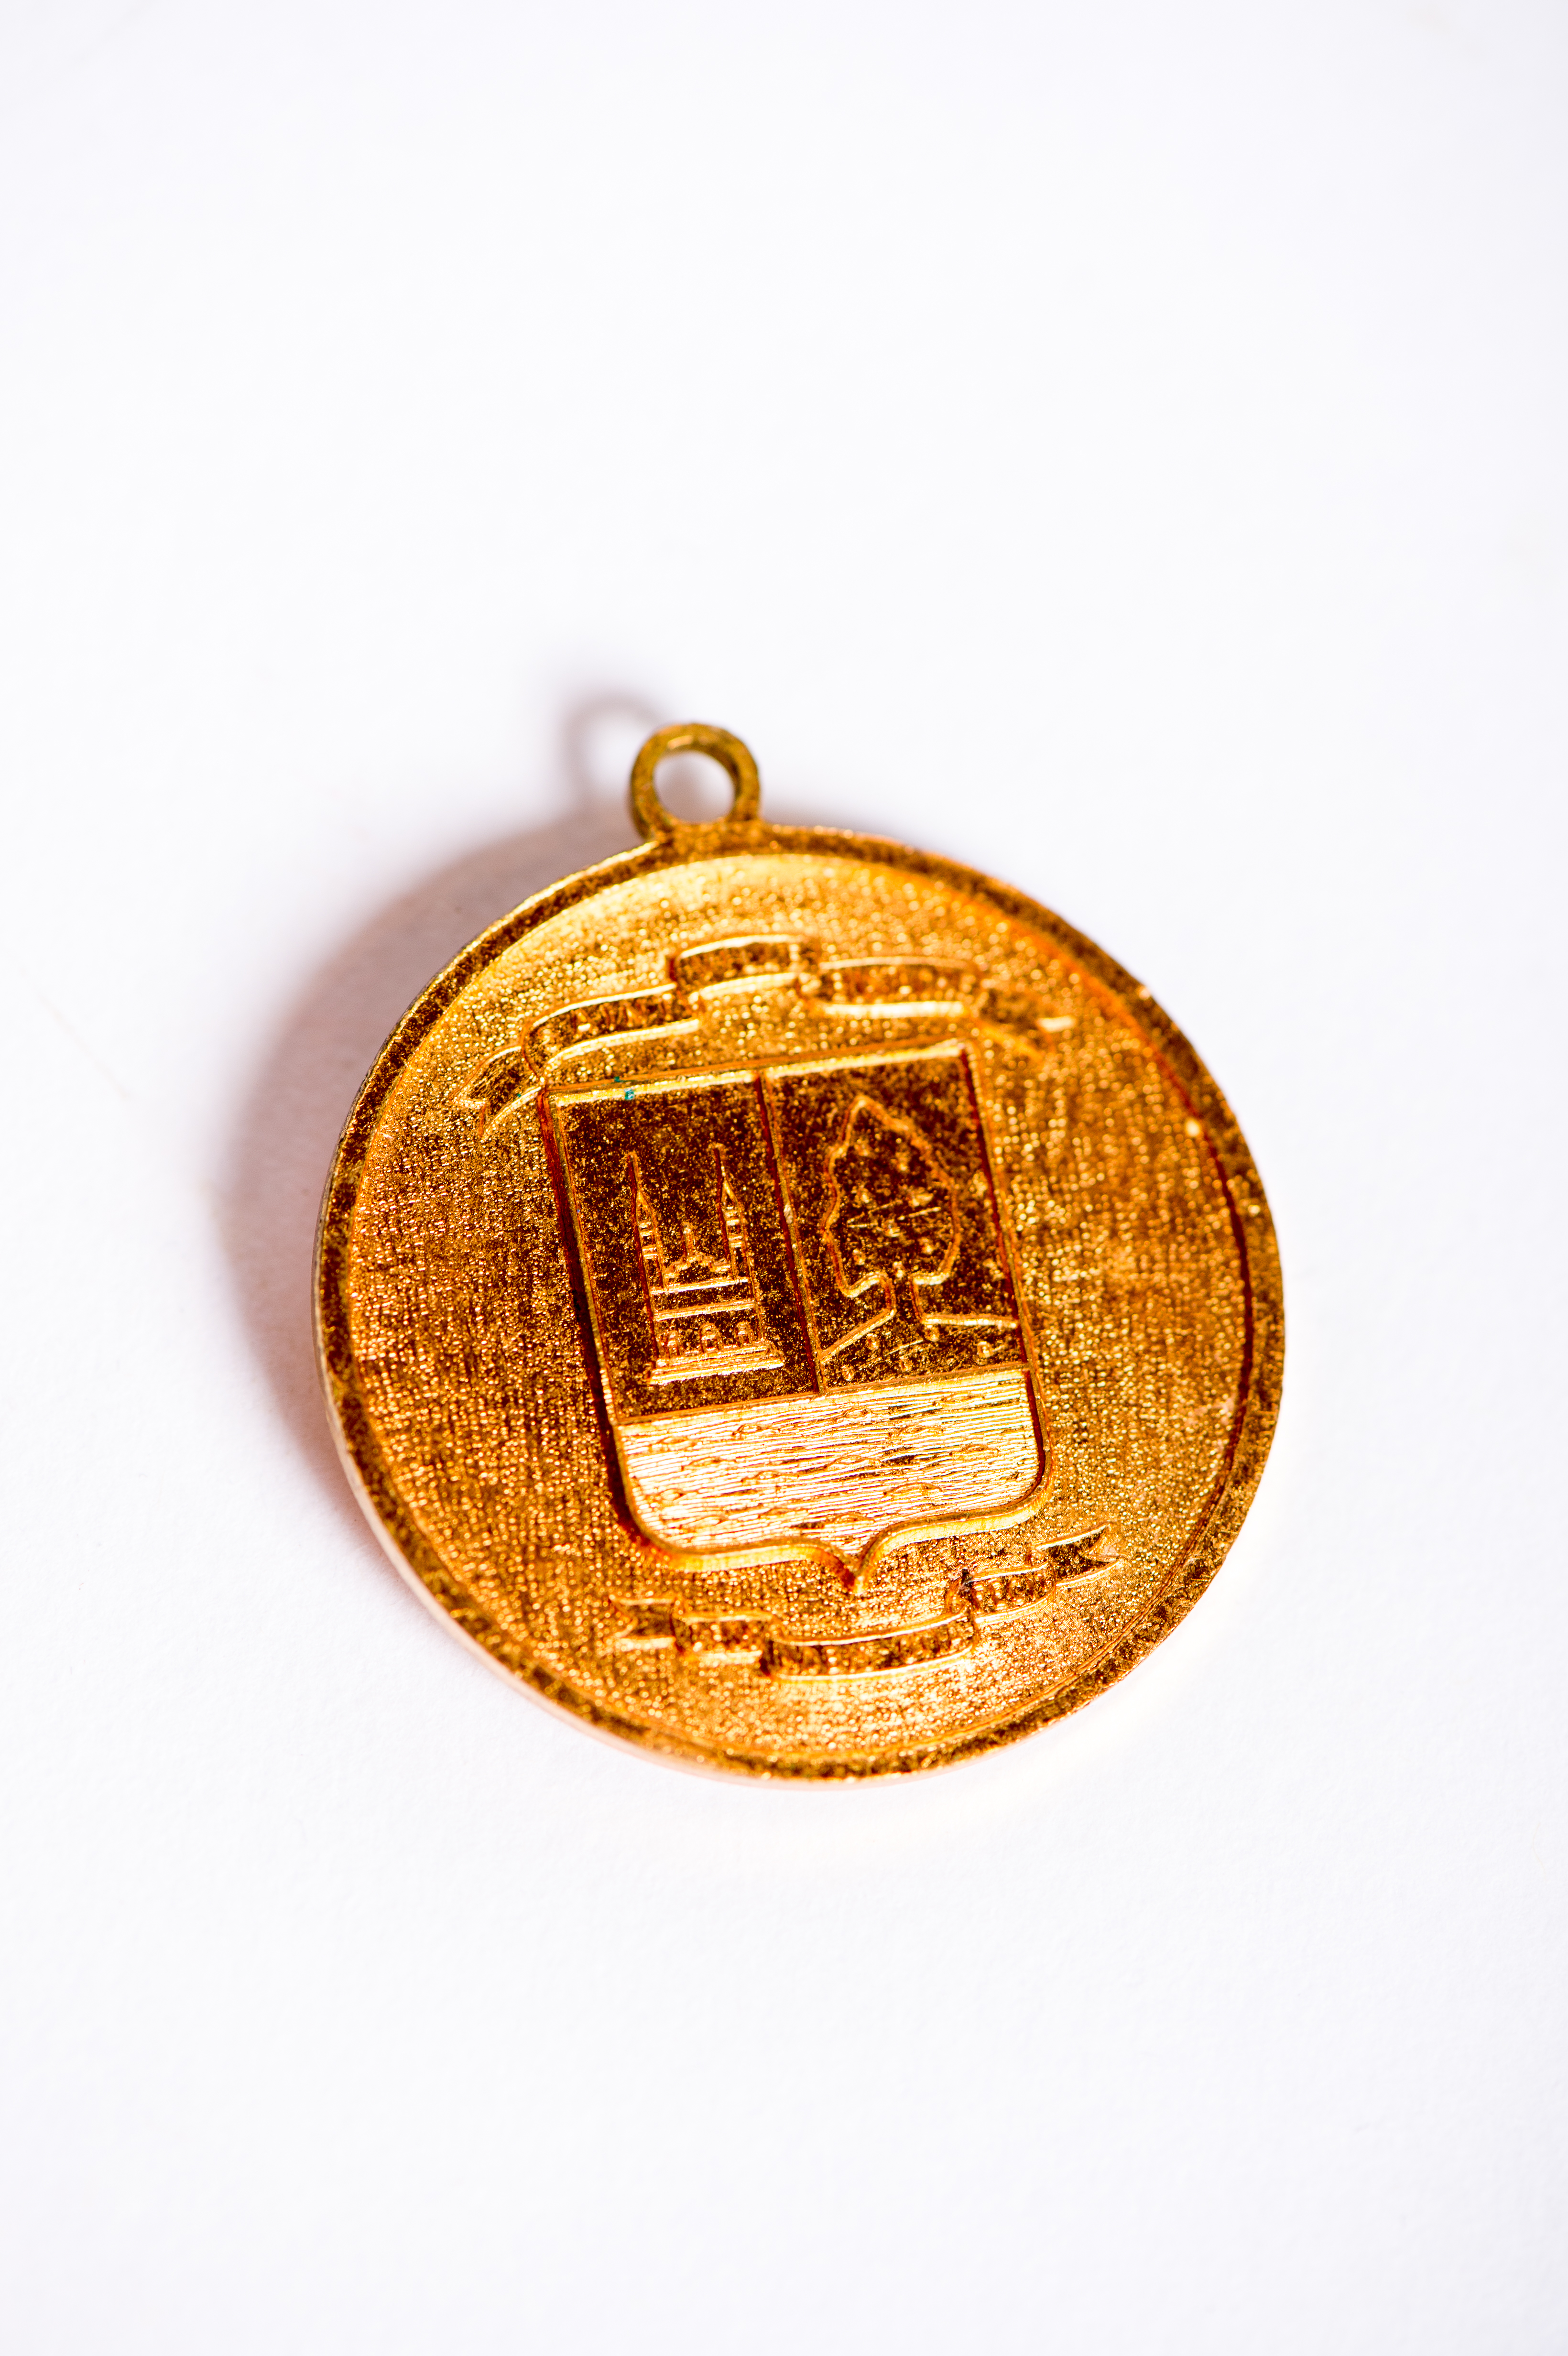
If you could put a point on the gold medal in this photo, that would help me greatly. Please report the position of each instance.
(795, 1302)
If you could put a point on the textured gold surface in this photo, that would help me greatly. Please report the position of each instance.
(796, 1303)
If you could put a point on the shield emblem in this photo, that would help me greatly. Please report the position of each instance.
(801, 1304)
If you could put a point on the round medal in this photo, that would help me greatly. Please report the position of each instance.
(796, 1303)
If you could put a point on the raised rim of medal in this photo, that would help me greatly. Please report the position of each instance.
(669, 841)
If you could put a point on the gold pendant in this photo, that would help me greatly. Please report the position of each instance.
(795, 1302)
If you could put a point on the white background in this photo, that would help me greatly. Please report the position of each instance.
(1117, 445)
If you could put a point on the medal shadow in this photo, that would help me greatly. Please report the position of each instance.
(291, 1116)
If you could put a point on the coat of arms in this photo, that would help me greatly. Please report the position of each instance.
(804, 1318)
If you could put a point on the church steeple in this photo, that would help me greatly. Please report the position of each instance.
(705, 1313)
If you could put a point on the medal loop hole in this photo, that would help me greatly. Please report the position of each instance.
(653, 821)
